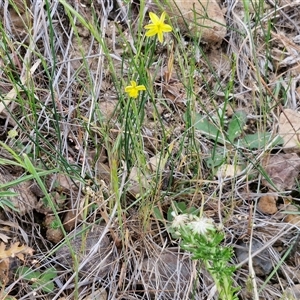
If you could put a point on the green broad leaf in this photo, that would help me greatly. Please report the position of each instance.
(192, 211)
(278, 140)
(46, 286)
(49, 274)
(215, 160)
(45, 280)
(207, 128)
(158, 215)
(216, 157)
(28, 274)
(236, 124)
(180, 207)
(258, 140)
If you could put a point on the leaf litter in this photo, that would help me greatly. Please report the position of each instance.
(143, 267)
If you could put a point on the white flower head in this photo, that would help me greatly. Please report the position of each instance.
(202, 225)
(179, 220)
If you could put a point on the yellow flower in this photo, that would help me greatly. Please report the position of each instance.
(158, 26)
(133, 89)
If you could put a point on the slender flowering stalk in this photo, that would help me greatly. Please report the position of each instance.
(158, 26)
(134, 89)
(200, 236)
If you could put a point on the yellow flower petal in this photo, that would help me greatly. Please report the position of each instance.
(153, 17)
(167, 28)
(133, 89)
(141, 88)
(160, 36)
(151, 32)
(162, 17)
(134, 93)
(133, 83)
(158, 26)
(150, 26)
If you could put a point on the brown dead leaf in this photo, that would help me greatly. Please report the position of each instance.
(25, 201)
(71, 218)
(14, 251)
(174, 90)
(2, 251)
(282, 169)
(138, 182)
(4, 268)
(168, 73)
(107, 109)
(63, 182)
(289, 130)
(140, 179)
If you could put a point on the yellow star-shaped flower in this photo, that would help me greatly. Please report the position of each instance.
(133, 89)
(158, 26)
